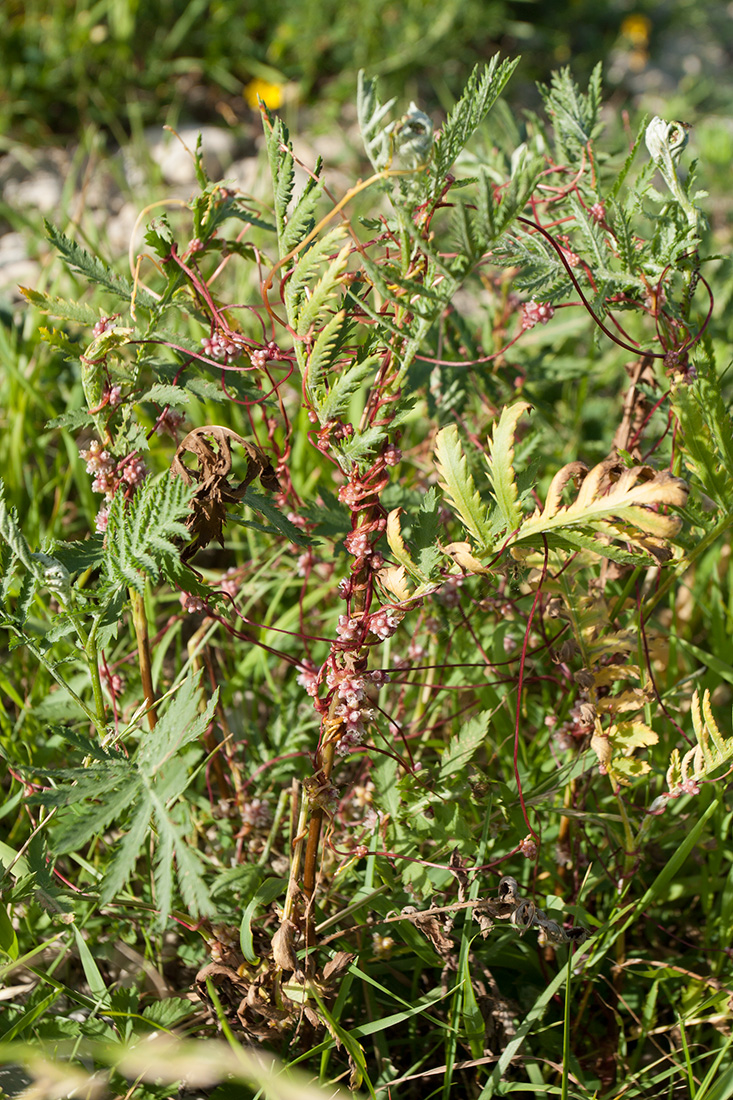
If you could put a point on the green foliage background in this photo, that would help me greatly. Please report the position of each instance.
(651, 1017)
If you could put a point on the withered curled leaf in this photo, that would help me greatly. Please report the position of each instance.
(283, 951)
(212, 448)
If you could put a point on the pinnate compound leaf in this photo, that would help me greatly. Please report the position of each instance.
(501, 464)
(81, 312)
(616, 502)
(91, 268)
(371, 115)
(459, 486)
(140, 532)
(344, 387)
(483, 88)
(712, 748)
(707, 432)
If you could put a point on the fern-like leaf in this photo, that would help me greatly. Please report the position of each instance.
(140, 532)
(483, 88)
(343, 388)
(621, 509)
(81, 312)
(501, 465)
(88, 266)
(459, 486)
(371, 114)
(712, 748)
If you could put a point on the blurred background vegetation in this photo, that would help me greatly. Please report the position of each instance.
(121, 64)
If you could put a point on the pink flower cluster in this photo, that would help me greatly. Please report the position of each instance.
(308, 677)
(536, 313)
(220, 347)
(384, 623)
(256, 814)
(168, 422)
(109, 476)
(348, 630)
(352, 688)
(104, 324)
(528, 847)
(102, 465)
(191, 604)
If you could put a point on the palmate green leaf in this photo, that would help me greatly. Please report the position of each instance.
(83, 825)
(176, 860)
(181, 723)
(94, 781)
(128, 851)
(483, 88)
(140, 532)
(501, 464)
(459, 485)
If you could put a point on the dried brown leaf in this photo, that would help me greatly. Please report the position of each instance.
(283, 951)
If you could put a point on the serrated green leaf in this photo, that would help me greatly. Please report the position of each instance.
(92, 269)
(181, 722)
(322, 354)
(81, 312)
(501, 464)
(463, 748)
(483, 88)
(277, 520)
(459, 486)
(140, 532)
(344, 387)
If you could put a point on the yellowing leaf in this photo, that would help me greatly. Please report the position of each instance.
(626, 737)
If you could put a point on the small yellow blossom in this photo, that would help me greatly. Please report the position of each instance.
(637, 29)
(270, 94)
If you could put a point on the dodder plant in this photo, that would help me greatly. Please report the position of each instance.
(359, 386)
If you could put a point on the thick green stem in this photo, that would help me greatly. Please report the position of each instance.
(140, 621)
(92, 655)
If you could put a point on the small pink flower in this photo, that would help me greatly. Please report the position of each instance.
(528, 847)
(383, 623)
(168, 422)
(308, 678)
(229, 583)
(191, 604)
(115, 396)
(348, 629)
(598, 212)
(104, 324)
(536, 313)
(102, 519)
